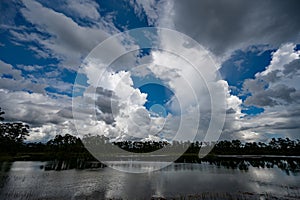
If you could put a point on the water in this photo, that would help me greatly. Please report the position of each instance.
(27, 180)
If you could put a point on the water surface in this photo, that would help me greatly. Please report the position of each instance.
(27, 180)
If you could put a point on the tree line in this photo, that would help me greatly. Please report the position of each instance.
(13, 143)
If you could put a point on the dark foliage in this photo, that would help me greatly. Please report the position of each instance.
(12, 136)
(70, 149)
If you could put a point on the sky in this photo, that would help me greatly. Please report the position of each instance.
(198, 70)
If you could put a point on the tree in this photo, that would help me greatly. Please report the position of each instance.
(236, 144)
(12, 135)
(14, 132)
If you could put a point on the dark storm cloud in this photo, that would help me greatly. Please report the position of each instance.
(66, 113)
(107, 104)
(224, 25)
(279, 94)
(292, 68)
(99, 101)
(271, 77)
(35, 115)
(106, 99)
(291, 124)
(230, 111)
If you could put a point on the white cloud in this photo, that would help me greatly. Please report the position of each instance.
(7, 69)
(17, 82)
(83, 8)
(31, 68)
(118, 112)
(276, 90)
(59, 36)
(275, 86)
(193, 85)
(41, 112)
(284, 55)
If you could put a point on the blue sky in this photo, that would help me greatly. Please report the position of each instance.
(256, 50)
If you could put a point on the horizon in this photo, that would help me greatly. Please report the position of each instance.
(149, 99)
(248, 70)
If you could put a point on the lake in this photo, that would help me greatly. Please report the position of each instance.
(28, 180)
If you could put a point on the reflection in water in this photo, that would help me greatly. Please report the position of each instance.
(289, 165)
(4, 168)
(72, 164)
(27, 180)
(137, 166)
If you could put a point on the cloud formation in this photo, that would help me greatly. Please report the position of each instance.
(225, 26)
(276, 89)
(12, 79)
(69, 31)
(59, 36)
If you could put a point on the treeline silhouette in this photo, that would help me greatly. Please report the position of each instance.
(69, 151)
(68, 145)
(279, 146)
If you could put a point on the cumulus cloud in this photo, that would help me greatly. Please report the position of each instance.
(116, 103)
(276, 90)
(111, 105)
(274, 86)
(284, 55)
(195, 86)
